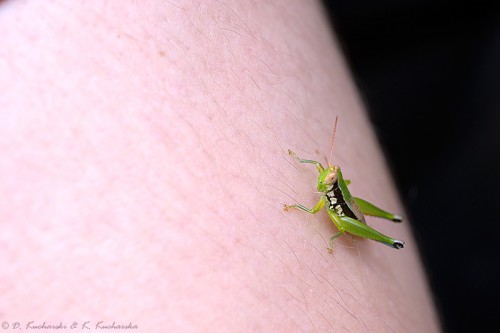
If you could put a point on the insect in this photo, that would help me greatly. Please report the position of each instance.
(345, 211)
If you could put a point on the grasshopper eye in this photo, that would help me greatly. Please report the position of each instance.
(331, 178)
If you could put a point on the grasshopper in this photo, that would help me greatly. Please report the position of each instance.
(345, 211)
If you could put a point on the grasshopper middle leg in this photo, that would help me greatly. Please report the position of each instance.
(313, 210)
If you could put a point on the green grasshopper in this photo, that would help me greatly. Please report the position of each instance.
(346, 212)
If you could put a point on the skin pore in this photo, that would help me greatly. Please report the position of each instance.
(145, 167)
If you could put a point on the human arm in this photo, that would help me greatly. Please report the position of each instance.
(146, 147)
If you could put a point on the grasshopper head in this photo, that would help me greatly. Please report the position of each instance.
(327, 178)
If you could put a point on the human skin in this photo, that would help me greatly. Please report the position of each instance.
(144, 169)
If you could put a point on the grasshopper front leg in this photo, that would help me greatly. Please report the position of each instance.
(357, 228)
(372, 210)
(318, 165)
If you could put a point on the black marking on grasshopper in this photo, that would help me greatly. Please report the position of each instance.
(337, 203)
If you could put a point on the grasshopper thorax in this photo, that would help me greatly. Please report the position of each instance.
(327, 178)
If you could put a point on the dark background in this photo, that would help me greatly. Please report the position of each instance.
(429, 72)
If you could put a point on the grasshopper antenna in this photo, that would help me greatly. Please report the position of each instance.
(333, 139)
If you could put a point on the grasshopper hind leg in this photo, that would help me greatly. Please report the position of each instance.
(370, 209)
(357, 228)
(398, 244)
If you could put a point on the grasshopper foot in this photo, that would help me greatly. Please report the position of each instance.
(398, 244)
(397, 218)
